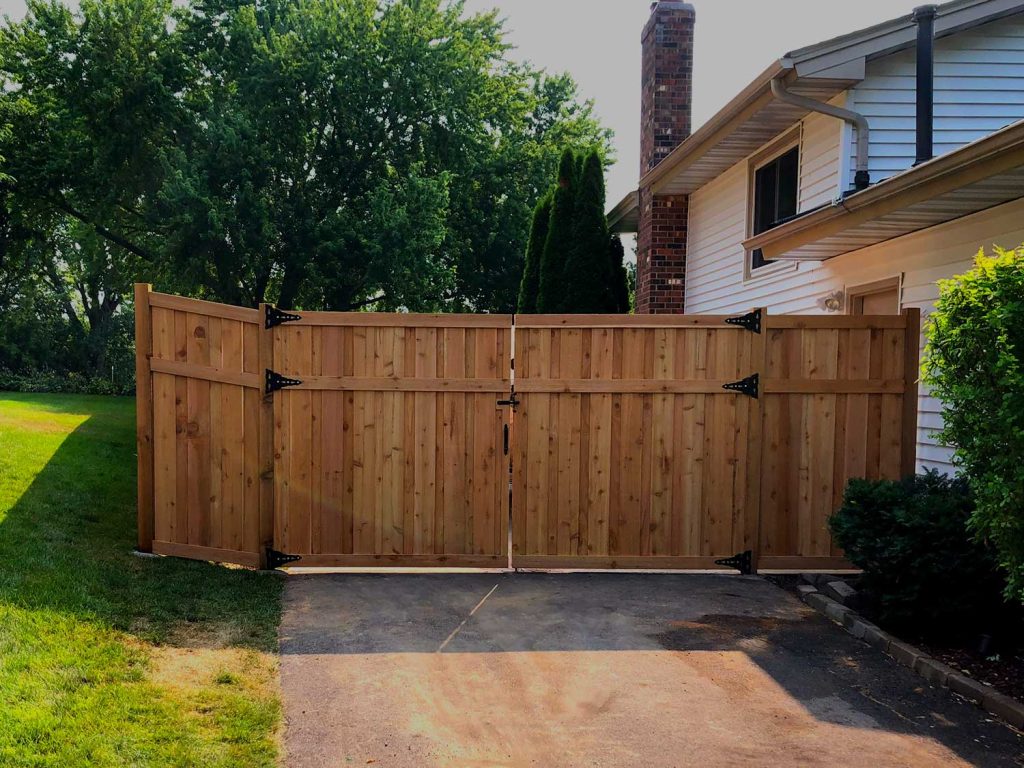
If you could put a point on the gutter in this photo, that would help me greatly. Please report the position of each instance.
(861, 179)
(988, 156)
(740, 108)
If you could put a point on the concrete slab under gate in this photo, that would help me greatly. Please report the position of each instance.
(601, 670)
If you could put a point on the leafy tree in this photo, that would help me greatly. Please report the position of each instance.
(316, 153)
(619, 275)
(319, 153)
(534, 253)
(588, 268)
(559, 243)
(974, 363)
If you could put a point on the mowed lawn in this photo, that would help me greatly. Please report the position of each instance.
(109, 659)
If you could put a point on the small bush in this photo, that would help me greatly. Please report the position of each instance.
(64, 383)
(921, 565)
(974, 363)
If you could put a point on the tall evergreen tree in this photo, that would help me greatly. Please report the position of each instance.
(588, 269)
(559, 243)
(534, 253)
(620, 282)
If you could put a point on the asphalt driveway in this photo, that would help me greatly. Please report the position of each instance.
(601, 670)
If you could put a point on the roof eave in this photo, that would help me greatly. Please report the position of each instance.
(978, 160)
(624, 216)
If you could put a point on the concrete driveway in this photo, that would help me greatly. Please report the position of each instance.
(601, 670)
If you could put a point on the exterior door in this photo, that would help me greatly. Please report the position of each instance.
(877, 299)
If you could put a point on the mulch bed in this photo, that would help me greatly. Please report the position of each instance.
(1003, 671)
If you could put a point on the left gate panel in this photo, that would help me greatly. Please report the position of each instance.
(390, 450)
(205, 377)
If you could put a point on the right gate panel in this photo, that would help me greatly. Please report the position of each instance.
(839, 401)
(627, 451)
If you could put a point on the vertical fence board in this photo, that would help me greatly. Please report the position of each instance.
(144, 417)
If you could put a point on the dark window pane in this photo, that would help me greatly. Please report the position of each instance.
(775, 195)
(765, 184)
(788, 170)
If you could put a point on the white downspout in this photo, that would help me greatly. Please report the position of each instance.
(861, 179)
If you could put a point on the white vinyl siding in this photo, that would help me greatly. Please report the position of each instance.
(820, 171)
(715, 285)
(979, 88)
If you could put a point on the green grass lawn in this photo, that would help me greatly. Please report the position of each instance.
(107, 658)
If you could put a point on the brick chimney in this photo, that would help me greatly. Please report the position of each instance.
(666, 80)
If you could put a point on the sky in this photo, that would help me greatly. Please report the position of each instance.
(598, 43)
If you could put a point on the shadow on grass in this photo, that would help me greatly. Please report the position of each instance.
(66, 545)
(80, 681)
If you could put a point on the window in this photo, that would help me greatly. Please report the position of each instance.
(775, 187)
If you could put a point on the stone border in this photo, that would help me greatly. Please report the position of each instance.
(932, 670)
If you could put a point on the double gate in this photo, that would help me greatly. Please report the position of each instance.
(362, 439)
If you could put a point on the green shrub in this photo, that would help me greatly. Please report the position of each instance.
(921, 565)
(974, 363)
(72, 383)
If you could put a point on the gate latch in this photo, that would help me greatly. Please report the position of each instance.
(747, 386)
(751, 321)
(275, 381)
(742, 562)
(512, 401)
(277, 316)
(276, 559)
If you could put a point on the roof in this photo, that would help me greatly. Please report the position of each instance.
(985, 173)
(822, 71)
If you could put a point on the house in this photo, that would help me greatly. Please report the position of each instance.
(850, 176)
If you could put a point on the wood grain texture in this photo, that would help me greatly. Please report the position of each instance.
(625, 451)
(626, 447)
(206, 451)
(392, 447)
(146, 509)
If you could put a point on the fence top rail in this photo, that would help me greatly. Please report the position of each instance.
(402, 319)
(200, 307)
(624, 321)
(834, 322)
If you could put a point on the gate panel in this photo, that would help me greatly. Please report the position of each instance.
(390, 451)
(203, 373)
(840, 401)
(628, 453)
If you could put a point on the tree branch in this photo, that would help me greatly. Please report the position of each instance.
(113, 237)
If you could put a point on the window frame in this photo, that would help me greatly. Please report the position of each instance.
(773, 151)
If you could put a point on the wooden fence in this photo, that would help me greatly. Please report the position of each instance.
(633, 441)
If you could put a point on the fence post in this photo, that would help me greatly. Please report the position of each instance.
(755, 444)
(144, 415)
(911, 371)
(266, 438)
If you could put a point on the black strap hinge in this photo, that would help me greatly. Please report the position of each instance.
(751, 321)
(748, 386)
(275, 381)
(742, 562)
(277, 316)
(276, 559)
